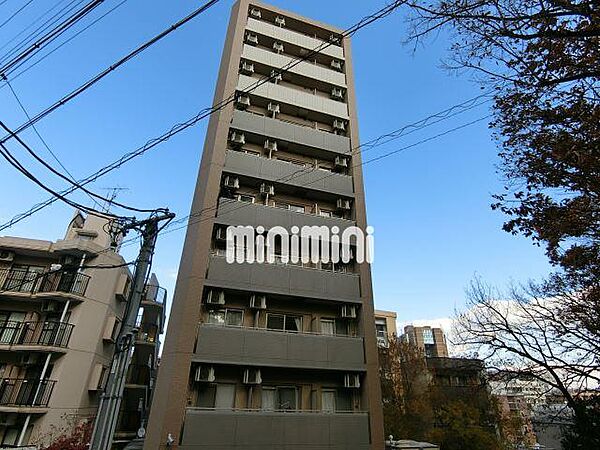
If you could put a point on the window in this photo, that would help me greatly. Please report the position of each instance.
(328, 326)
(334, 327)
(245, 198)
(333, 400)
(325, 213)
(381, 331)
(428, 336)
(284, 322)
(228, 317)
(218, 396)
(282, 398)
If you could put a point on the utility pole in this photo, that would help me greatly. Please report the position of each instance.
(110, 401)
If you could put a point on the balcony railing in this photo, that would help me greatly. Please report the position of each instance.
(48, 333)
(148, 332)
(155, 294)
(138, 374)
(25, 392)
(34, 279)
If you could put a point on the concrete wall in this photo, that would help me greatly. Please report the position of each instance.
(256, 347)
(228, 430)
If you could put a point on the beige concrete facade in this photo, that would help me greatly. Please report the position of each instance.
(385, 326)
(57, 329)
(430, 340)
(273, 356)
(59, 316)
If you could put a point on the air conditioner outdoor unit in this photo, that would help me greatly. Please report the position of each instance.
(337, 93)
(50, 306)
(6, 256)
(339, 125)
(254, 12)
(29, 359)
(252, 39)
(280, 21)
(252, 376)
(343, 204)
(215, 297)
(237, 138)
(246, 68)
(242, 101)
(336, 65)
(231, 182)
(267, 189)
(275, 77)
(278, 47)
(349, 311)
(258, 301)
(271, 145)
(205, 374)
(351, 380)
(273, 107)
(341, 162)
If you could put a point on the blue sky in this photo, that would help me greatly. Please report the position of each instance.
(429, 205)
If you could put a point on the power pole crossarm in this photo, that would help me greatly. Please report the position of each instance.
(110, 401)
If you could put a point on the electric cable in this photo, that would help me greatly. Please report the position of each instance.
(62, 44)
(12, 16)
(18, 60)
(365, 21)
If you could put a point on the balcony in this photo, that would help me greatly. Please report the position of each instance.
(293, 37)
(284, 279)
(229, 430)
(154, 296)
(147, 334)
(232, 212)
(287, 173)
(33, 280)
(138, 375)
(304, 68)
(295, 97)
(285, 131)
(261, 347)
(25, 392)
(25, 335)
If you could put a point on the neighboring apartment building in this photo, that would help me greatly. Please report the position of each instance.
(430, 340)
(59, 317)
(143, 367)
(385, 327)
(280, 355)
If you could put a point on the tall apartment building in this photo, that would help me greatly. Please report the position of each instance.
(430, 340)
(58, 322)
(282, 355)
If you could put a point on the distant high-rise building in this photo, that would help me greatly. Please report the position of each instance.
(430, 340)
(61, 311)
(273, 355)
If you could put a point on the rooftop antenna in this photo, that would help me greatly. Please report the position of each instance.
(113, 194)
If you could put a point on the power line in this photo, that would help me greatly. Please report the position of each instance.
(57, 173)
(383, 12)
(394, 152)
(15, 13)
(19, 59)
(33, 23)
(5, 153)
(44, 141)
(32, 65)
(131, 55)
